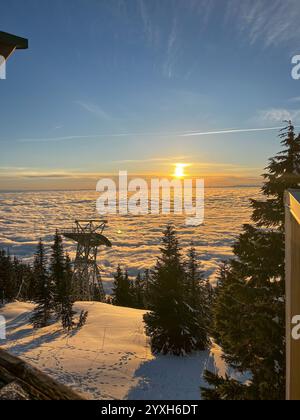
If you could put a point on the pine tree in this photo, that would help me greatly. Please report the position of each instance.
(61, 274)
(223, 388)
(146, 281)
(57, 268)
(44, 293)
(24, 280)
(15, 279)
(82, 319)
(117, 286)
(138, 292)
(96, 293)
(222, 276)
(67, 312)
(282, 174)
(198, 295)
(122, 289)
(7, 284)
(172, 322)
(128, 293)
(249, 314)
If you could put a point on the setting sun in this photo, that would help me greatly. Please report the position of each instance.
(179, 170)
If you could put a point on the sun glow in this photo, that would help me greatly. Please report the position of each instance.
(179, 170)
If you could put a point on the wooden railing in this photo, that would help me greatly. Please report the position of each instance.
(34, 384)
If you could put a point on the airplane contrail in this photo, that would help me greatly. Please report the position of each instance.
(148, 134)
(230, 131)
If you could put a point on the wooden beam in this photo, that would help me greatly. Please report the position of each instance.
(9, 43)
(14, 41)
(6, 50)
(38, 385)
(292, 292)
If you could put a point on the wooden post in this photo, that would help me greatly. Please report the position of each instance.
(292, 292)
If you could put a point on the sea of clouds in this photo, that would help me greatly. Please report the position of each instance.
(27, 216)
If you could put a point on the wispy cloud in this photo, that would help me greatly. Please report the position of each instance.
(203, 9)
(296, 99)
(94, 109)
(151, 30)
(55, 139)
(267, 22)
(155, 160)
(276, 115)
(42, 173)
(172, 51)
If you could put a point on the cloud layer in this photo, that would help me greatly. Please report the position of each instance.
(26, 217)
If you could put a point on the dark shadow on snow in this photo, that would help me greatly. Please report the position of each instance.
(172, 378)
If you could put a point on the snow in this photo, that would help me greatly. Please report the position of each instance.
(109, 358)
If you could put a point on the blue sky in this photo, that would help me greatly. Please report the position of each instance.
(108, 85)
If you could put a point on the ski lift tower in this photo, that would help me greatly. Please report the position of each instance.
(88, 234)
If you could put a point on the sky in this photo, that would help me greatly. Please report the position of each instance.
(140, 85)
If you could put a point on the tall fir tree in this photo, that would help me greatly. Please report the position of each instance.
(117, 290)
(8, 288)
(138, 292)
(61, 274)
(198, 295)
(67, 302)
(57, 268)
(44, 291)
(172, 324)
(16, 279)
(128, 294)
(249, 313)
(146, 281)
(26, 279)
(122, 295)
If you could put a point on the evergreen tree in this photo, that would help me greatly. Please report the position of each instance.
(27, 287)
(117, 290)
(198, 295)
(222, 276)
(61, 274)
(15, 279)
(67, 312)
(24, 280)
(57, 269)
(128, 294)
(138, 292)
(223, 388)
(282, 174)
(249, 313)
(172, 322)
(122, 289)
(44, 293)
(146, 281)
(82, 319)
(7, 284)
(96, 293)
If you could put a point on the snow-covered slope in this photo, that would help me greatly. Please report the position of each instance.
(109, 358)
